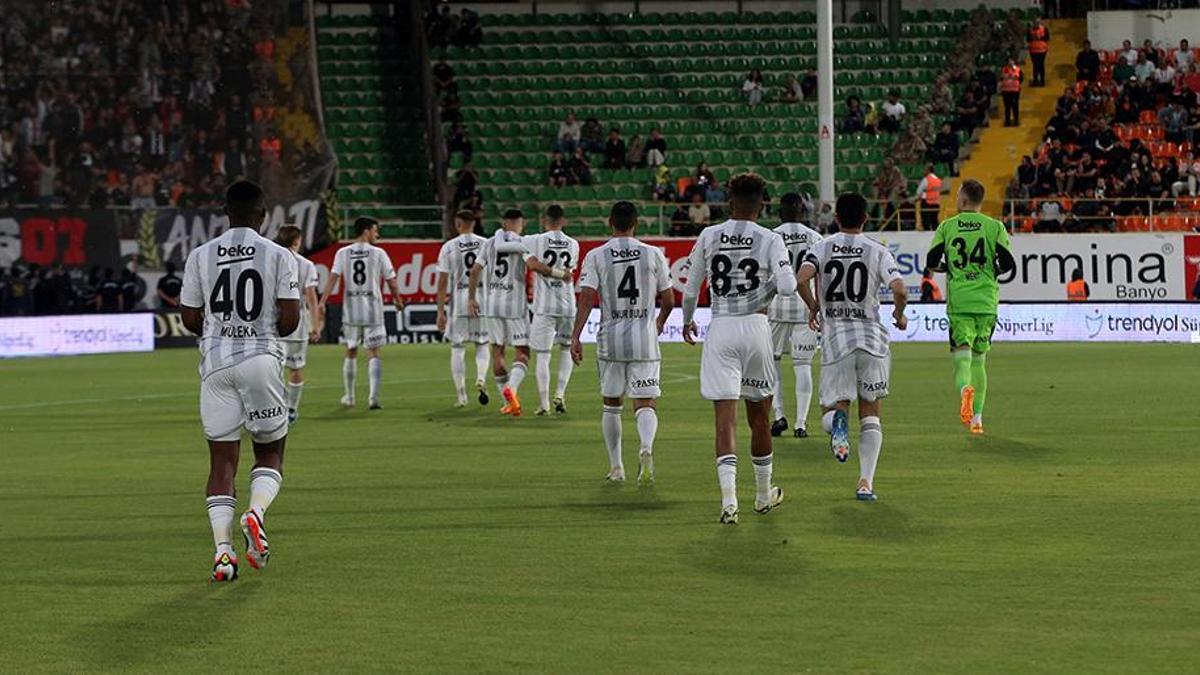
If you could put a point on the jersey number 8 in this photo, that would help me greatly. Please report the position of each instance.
(246, 300)
(721, 280)
(360, 273)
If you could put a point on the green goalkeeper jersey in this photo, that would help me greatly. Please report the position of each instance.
(973, 246)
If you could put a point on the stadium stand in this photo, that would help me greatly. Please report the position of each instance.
(1118, 152)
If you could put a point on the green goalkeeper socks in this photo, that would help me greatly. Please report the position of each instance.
(962, 368)
(979, 380)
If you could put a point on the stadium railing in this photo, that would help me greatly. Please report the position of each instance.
(1142, 214)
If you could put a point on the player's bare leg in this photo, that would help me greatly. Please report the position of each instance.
(222, 505)
(295, 387)
(836, 422)
(610, 426)
(349, 376)
(500, 372)
(645, 412)
(725, 416)
(515, 376)
(870, 442)
(375, 375)
(265, 479)
(758, 417)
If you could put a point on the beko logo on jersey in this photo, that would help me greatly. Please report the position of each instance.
(468, 245)
(794, 237)
(236, 250)
(848, 250)
(558, 243)
(737, 239)
(624, 253)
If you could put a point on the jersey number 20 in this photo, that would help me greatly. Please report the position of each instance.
(246, 298)
(853, 276)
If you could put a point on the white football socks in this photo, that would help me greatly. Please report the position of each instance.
(220, 516)
(610, 424)
(566, 366)
(647, 426)
(827, 421)
(804, 387)
(516, 375)
(777, 399)
(501, 384)
(762, 478)
(294, 390)
(375, 372)
(727, 477)
(542, 373)
(264, 485)
(349, 374)
(870, 442)
(483, 362)
(458, 369)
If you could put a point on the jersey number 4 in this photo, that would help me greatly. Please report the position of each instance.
(246, 297)
(628, 287)
(852, 276)
(721, 280)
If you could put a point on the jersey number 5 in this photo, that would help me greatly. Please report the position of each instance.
(246, 299)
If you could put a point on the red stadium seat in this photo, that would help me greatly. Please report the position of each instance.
(1147, 117)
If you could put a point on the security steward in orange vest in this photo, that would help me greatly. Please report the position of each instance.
(1077, 288)
(1038, 40)
(930, 192)
(1010, 91)
(929, 287)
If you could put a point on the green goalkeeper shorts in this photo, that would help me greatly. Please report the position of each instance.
(972, 330)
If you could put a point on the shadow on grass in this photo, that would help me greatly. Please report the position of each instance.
(618, 497)
(876, 521)
(754, 549)
(183, 622)
(1005, 448)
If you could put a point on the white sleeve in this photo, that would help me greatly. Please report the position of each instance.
(443, 261)
(889, 271)
(287, 286)
(385, 264)
(691, 291)
(339, 261)
(509, 245)
(590, 277)
(532, 250)
(662, 272)
(191, 295)
(310, 272)
(781, 267)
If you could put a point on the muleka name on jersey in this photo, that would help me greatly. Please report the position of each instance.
(238, 332)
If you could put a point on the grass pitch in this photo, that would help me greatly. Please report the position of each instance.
(425, 538)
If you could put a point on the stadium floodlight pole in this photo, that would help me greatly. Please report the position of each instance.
(825, 128)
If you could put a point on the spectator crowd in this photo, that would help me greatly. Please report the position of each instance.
(34, 290)
(111, 102)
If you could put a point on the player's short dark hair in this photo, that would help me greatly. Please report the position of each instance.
(973, 190)
(364, 223)
(747, 185)
(243, 200)
(287, 236)
(464, 215)
(851, 210)
(624, 216)
(513, 214)
(790, 206)
(555, 212)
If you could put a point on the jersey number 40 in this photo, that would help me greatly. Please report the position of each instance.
(246, 298)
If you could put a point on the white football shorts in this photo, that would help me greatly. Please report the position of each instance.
(295, 353)
(547, 331)
(857, 375)
(635, 379)
(737, 361)
(507, 332)
(463, 329)
(796, 339)
(249, 395)
(371, 337)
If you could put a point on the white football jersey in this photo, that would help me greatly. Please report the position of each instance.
(628, 275)
(503, 258)
(850, 270)
(363, 268)
(306, 277)
(236, 279)
(745, 264)
(798, 238)
(456, 259)
(553, 297)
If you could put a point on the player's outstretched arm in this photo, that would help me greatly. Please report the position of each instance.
(900, 297)
(472, 284)
(803, 278)
(583, 310)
